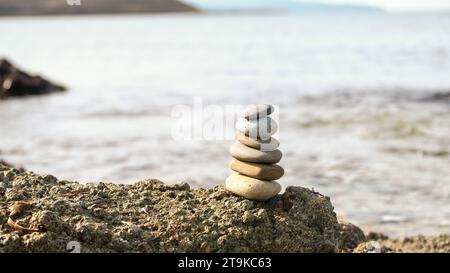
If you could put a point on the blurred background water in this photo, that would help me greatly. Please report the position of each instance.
(355, 123)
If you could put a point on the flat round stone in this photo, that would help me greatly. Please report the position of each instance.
(251, 188)
(262, 145)
(247, 154)
(258, 111)
(262, 128)
(258, 171)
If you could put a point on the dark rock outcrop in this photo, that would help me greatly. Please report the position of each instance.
(443, 97)
(7, 164)
(16, 83)
(351, 236)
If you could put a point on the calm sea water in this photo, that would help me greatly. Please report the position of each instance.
(353, 122)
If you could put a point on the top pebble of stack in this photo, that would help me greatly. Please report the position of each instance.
(258, 111)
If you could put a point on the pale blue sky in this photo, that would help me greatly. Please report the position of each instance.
(390, 5)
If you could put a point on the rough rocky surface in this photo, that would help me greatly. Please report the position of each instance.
(416, 244)
(38, 213)
(16, 83)
(351, 237)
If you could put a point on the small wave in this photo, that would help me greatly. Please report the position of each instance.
(416, 151)
(390, 219)
(375, 124)
(124, 113)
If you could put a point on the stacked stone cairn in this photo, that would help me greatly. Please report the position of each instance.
(255, 156)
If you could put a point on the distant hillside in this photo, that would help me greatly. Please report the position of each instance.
(319, 7)
(279, 5)
(40, 7)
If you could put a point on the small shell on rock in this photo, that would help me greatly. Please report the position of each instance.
(18, 208)
(20, 228)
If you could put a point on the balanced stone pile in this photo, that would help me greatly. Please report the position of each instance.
(255, 156)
